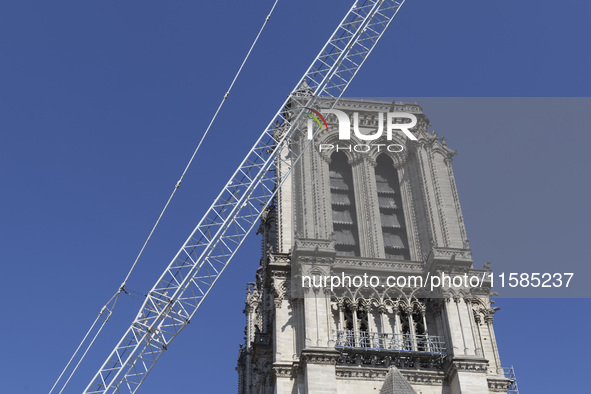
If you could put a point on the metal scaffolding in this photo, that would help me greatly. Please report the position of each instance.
(385, 349)
(509, 373)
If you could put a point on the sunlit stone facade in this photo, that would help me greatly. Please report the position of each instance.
(347, 210)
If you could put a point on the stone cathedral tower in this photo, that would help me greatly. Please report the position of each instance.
(381, 208)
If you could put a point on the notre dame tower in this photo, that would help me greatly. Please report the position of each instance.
(381, 208)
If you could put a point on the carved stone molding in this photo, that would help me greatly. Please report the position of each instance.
(280, 287)
(403, 107)
(285, 371)
(452, 254)
(424, 377)
(379, 374)
(314, 244)
(498, 384)
(361, 105)
(313, 260)
(392, 265)
(471, 366)
(328, 356)
(355, 358)
(361, 373)
(468, 365)
(281, 259)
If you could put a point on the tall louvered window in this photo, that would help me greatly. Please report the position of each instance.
(344, 217)
(391, 214)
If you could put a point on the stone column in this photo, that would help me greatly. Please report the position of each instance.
(426, 339)
(489, 320)
(477, 320)
(383, 333)
(477, 348)
(455, 340)
(369, 325)
(355, 328)
(411, 326)
(329, 320)
(372, 209)
(367, 223)
(398, 338)
(342, 327)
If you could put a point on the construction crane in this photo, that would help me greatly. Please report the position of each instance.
(188, 279)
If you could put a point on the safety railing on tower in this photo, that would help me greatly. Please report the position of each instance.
(390, 341)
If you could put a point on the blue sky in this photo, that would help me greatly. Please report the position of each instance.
(102, 103)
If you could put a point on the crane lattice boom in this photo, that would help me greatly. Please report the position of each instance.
(187, 280)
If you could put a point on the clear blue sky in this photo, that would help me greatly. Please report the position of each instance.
(101, 104)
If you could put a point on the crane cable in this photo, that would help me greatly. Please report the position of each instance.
(110, 305)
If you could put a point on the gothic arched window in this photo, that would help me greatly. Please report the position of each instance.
(344, 216)
(391, 213)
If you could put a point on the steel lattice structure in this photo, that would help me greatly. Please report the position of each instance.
(187, 280)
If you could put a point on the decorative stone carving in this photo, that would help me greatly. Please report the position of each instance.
(470, 365)
(285, 371)
(379, 374)
(390, 264)
(302, 336)
(320, 357)
(498, 384)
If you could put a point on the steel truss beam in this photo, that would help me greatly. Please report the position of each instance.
(185, 283)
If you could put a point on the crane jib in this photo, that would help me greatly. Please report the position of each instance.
(189, 277)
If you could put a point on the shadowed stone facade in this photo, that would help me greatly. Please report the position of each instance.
(382, 213)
